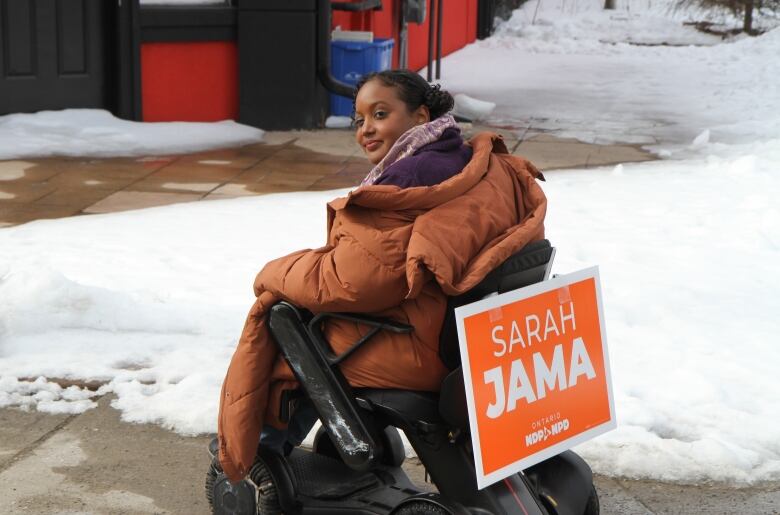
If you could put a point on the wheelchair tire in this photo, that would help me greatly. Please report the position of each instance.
(421, 508)
(593, 506)
(267, 493)
(211, 478)
(324, 446)
(394, 452)
(226, 498)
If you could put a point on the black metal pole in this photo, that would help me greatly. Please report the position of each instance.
(431, 14)
(438, 37)
(128, 51)
(323, 53)
(400, 16)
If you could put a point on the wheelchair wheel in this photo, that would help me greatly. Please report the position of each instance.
(267, 494)
(324, 446)
(593, 507)
(243, 498)
(421, 508)
(226, 498)
(212, 476)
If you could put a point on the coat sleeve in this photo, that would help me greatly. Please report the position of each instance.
(345, 277)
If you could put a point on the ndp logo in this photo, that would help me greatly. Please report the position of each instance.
(546, 432)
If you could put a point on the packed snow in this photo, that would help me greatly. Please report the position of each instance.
(150, 302)
(471, 108)
(97, 133)
(338, 122)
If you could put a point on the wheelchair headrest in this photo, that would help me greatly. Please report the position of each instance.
(528, 266)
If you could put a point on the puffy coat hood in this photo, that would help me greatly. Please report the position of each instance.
(431, 246)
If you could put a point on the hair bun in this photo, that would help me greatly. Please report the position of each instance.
(437, 101)
(412, 89)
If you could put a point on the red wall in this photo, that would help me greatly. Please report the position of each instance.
(459, 28)
(195, 81)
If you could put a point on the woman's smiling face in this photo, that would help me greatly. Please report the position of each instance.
(381, 117)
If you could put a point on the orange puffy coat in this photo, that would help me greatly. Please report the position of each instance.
(391, 252)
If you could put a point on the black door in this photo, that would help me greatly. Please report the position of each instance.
(54, 54)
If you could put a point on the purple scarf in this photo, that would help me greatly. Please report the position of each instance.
(410, 142)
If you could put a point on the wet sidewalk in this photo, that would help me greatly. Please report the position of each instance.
(94, 463)
(287, 161)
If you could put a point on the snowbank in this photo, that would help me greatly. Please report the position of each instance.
(150, 302)
(690, 288)
(96, 133)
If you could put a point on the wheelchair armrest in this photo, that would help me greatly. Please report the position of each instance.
(325, 386)
(381, 323)
(377, 324)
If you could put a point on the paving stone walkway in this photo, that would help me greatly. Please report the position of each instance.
(288, 161)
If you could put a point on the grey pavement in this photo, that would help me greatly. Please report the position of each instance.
(95, 463)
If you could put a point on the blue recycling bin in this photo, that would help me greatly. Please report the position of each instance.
(350, 60)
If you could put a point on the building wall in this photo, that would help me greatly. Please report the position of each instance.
(198, 80)
(194, 81)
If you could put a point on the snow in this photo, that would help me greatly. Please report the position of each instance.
(472, 108)
(151, 302)
(338, 122)
(690, 286)
(45, 396)
(583, 76)
(97, 133)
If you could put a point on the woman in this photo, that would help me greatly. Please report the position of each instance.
(431, 219)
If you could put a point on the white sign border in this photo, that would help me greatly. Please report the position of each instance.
(485, 480)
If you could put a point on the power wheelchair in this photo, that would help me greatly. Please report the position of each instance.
(355, 464)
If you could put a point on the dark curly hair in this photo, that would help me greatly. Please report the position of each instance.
(413, 90)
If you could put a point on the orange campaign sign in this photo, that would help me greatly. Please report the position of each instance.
(536, 370)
